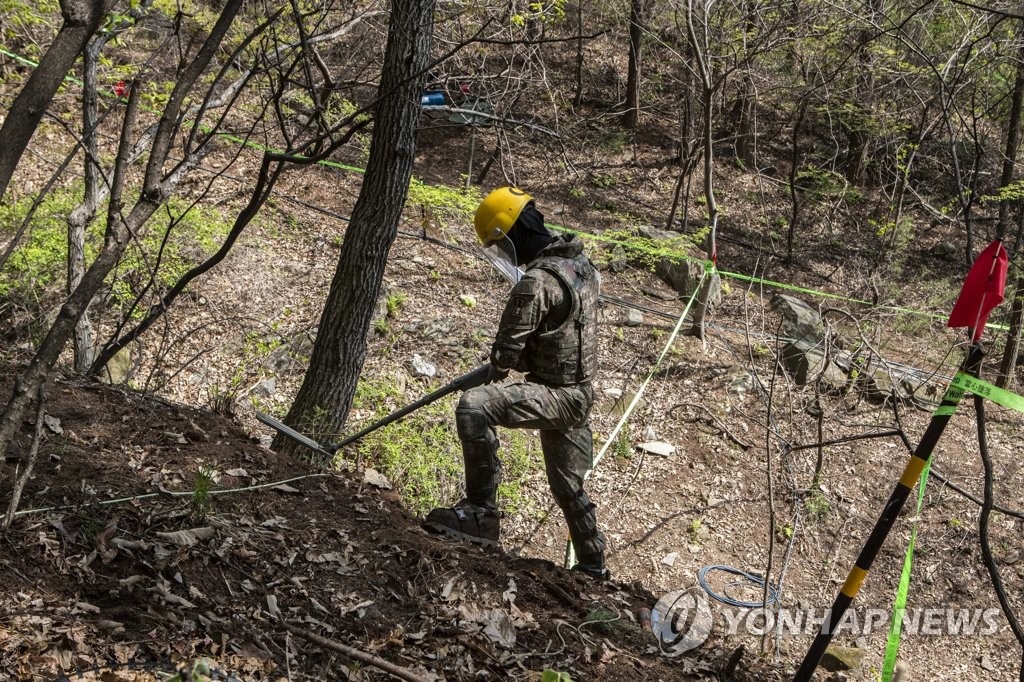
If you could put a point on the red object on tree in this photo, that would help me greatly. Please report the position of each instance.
(119, 88)
(982, 290)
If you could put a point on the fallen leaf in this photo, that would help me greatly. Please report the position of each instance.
(189, 537)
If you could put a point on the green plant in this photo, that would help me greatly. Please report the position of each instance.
(817, 506)
(381, 326)
(622, 447)
(550, 675)
(420, 453)
(201, 502)
(395, 302)
(435, 275)
(695, 529)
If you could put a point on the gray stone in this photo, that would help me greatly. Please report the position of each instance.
(799, 320)
(119, 368)
(266, 387)
(683, 275)
(634, 318)
(838, 658)
(617, 263)
(946, 251)
(434, 329)
(805, 361)
(420, 367)
(657, 448)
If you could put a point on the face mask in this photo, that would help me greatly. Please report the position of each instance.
(528, 235)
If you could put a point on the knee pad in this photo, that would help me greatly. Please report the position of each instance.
(470, 420)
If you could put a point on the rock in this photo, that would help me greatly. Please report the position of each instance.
(670, 559)
(805, 360)
(657, 448)
(614, 393)
(799, 320)
(878, 385)
(435, 329)
(681, 274)
(53, 423)
(945, 251)
(634, 318)
(741, 383)
(1011, 557)
(376, 479)
(13, 451)
(838, 658)
(266, 388)
(421, 368)
(119, 367)
(617, 263)
(986, 663)
(649, 433)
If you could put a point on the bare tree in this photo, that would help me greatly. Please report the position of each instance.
(157, 186)
(81, 19)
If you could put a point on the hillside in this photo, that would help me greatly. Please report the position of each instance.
(159, 530)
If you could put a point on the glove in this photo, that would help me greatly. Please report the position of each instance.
(494, 374)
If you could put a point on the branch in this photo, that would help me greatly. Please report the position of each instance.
(359, 655)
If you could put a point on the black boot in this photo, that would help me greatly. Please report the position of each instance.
(466, 521)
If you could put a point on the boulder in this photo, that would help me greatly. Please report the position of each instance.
(839, 658)
(805, 360)
(682, 275)
(799, 320)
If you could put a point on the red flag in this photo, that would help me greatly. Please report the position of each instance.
(119, 88)
(982, 290)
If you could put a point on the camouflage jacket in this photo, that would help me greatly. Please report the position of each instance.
(549, 326)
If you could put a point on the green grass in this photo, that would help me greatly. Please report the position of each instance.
(421, 454)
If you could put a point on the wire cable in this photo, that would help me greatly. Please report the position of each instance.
(748, 580)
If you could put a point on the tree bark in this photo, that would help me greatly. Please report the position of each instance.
(1012, 143)
(81, 19)
(1012, 349)
(325, 397)
(637, 20)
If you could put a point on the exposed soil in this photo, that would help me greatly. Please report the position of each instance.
(124, 589)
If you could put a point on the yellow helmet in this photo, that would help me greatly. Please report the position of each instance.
(498, 212)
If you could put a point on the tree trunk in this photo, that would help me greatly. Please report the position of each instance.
(83, 215)
(637, 20)
(325, 397)
(156, 188)
(81, 19)
(1012, 349)
(1012, 143)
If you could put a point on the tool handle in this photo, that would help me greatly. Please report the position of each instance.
(472, 379)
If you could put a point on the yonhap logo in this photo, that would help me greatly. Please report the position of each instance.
(681, 621)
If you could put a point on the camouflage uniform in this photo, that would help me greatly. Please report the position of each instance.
(548, 331)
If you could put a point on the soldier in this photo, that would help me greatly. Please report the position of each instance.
(548, 330)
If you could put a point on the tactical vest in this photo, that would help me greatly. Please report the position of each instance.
(567, 353)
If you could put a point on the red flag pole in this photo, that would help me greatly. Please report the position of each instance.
(983, 287)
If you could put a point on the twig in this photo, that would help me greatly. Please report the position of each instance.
(557, 591)
(716, 420)
(986, 512)
(37, 437)
(376, 661)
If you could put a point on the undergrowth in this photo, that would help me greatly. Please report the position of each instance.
(37, 268)
(421, 454)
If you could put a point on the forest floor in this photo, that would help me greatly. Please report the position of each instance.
(159, 528)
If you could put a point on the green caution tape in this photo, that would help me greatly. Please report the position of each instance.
(892, 647)
(708, 265)
(965, 382)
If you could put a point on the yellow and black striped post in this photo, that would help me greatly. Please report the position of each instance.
(885, 522)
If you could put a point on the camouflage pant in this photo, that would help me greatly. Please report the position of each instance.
(560, 413)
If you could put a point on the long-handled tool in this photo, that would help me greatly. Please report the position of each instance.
(472, 379)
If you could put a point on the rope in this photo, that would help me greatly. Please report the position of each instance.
(570, 555)
(170, 493)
